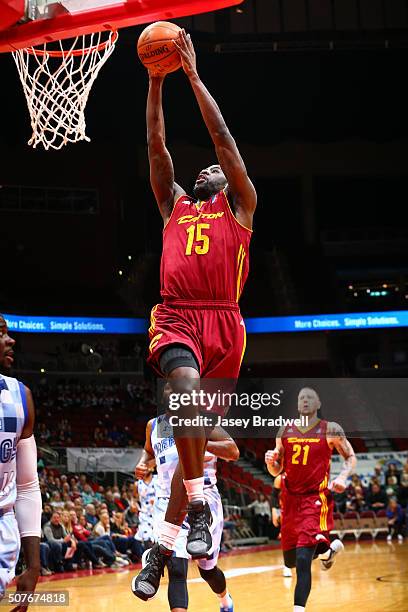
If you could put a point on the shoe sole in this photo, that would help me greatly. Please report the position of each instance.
(141, 594)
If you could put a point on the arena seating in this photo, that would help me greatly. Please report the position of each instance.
(357, 524)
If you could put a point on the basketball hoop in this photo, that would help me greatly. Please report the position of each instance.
(57, 83)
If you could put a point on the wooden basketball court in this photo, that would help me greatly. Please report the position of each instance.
(366, 577)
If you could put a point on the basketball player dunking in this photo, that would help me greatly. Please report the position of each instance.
(303, 457)
(20, 498)
(160, 447)
(198, 331)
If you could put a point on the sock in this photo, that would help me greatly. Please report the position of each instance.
(168, 534)
(299, 609)
(226, 601)
(195, 489)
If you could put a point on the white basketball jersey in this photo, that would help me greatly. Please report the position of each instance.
(13, 415)
(165, 452)
(147, 492)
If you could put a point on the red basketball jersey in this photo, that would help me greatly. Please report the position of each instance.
(205, 252)
(306, 460)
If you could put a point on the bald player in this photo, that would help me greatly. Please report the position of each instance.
(303, 457)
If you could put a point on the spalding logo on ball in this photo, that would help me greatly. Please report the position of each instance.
(155, 47)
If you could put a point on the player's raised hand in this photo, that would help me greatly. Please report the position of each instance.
(26, 583)
(338, 485)
(141, 470)
(185, 47)
(272, 456)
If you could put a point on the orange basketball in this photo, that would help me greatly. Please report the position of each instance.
(155, 47)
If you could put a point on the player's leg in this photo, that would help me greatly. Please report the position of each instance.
(208, 568)
(10, 550)
(304, 558)
(289, 558)
(215, 579)
(177, 590)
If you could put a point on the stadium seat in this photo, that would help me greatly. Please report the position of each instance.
(368, 523)
(351, 524)
(338, 527)
(381, 522)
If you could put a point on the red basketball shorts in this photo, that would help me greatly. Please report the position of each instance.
(305, 519)
(213, 331)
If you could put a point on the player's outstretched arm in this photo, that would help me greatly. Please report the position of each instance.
(336, 438)
(166, 191)
(274, 458)
(240, 187)
(222, 445)
(28, 504)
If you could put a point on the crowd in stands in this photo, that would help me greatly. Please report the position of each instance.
(86, 525)
(384, 484)
(118, 414)
(82, 355)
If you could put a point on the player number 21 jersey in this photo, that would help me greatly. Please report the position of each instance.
(205, 252)
(307, 456)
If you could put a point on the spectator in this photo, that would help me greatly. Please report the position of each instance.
(395, 515)
(45, 552)
(379, 475)
(123, 538)
(56, 501)
(110, 502)
(376, 498)
(356, 499)
(403, 488)
(46, 514)
(87, 495)
(102, 527)
(58, 540)
(392, 486)
(132, 515)
(86, 551)
(392, 471)
(90, 516)
(262, 515)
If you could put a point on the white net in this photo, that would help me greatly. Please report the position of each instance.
(57, 84)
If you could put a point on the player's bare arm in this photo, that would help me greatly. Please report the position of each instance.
(240, 187)
(147, 460)
(165, 190)
(336, 438)
(274, 458)
(28, 504)
(222, 445)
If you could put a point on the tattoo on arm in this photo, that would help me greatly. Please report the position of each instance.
(344, 448)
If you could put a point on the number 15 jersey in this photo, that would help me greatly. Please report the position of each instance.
(205, 252)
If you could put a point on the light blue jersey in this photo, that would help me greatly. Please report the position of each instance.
(165, 452)
(147, 494)
(13, 415)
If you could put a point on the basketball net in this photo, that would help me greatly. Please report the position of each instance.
(57, 84)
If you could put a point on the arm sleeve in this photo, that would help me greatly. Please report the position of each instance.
(28, 502)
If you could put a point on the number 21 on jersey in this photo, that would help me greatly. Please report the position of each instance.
(297, 459)
(197, 241)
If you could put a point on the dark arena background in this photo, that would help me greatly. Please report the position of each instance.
(314, 93)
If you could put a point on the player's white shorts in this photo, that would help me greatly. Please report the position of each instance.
(213, 499)
(9, 549)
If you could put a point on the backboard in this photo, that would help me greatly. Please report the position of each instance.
(26, 23)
